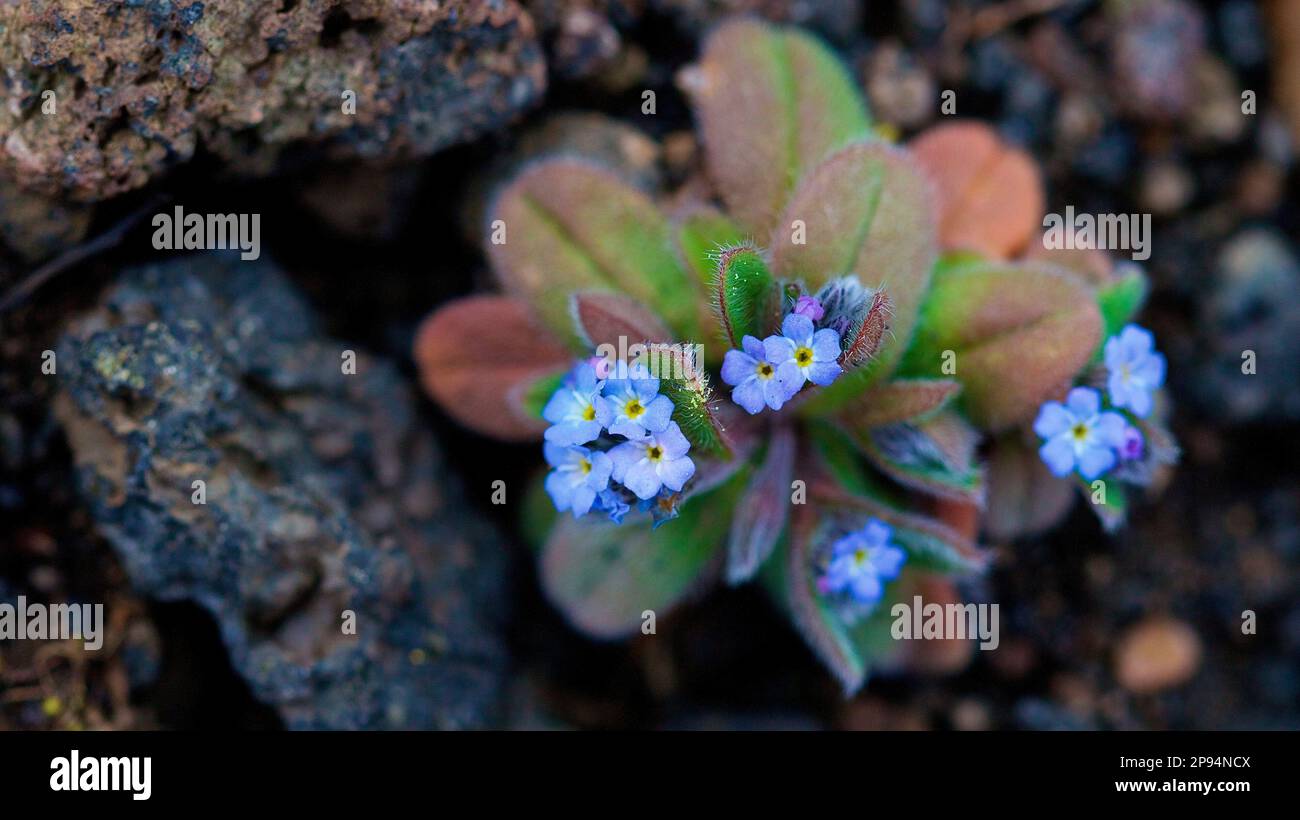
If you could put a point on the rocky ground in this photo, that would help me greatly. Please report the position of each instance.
(366, 497)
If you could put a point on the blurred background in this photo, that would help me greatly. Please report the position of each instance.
(1129, 107)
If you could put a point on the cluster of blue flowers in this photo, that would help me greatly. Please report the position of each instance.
(859, 565)
(770, 372)
(1080, 435)
(595, 471)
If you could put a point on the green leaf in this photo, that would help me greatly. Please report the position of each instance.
(693, 412)
(684, 380)
(930, 544)
(788, 578)
(602, 575)
(536, 393)
(771, 103)
(866, 211)
(573, 226)
(898, 400)
(743, 294)
(936, 456)
(1119, 301)
(935, 551)
(1109, 501)
(1017, 335)
(872, 637)
(703, 235)
(850, 650)
(537, 514)
(839, 455)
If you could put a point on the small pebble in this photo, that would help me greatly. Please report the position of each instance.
(1156, 654)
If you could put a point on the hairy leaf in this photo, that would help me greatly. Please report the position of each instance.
(703, 235)
(743, 293)
(898, 400)
(760, 516)
(789, 579)
(531, 396)
(990, 194)
(930, 544)
(1109, 500)
(1121, 299)
(537, 515)
(935, 456)
(693, 403)
(866, 336)
(1024, 498)
(868, 212)
(604, 318)
(603, 576)
(481, 357)
(1017, 334)
(771, 103)
(573, 226)
(1089, 264)
(838, 455)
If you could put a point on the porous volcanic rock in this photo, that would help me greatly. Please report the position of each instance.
(323, 496)
(139, 85)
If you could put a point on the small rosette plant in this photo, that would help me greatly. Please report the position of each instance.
(795, 372)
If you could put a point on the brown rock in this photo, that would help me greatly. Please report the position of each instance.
(138, 87)
(1156, 654)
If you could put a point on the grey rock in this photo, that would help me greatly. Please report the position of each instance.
(1253, 303)
(323, 495)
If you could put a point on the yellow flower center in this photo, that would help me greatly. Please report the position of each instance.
(654, 452)
(1079, 432)
(633, 409)
(589, 414)
(764, 370)
(803, 356)
(584, 466)
(859, 557)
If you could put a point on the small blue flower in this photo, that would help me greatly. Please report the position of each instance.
(803, 354)
(861, 562)
(612, 503)
(577, 411)
(635, 403)
(645, 464)
(755, 378)
(579, 475)
(1079, 435)
(662, 508)
(1136, 370)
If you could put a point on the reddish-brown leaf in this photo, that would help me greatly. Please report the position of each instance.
(990, 194)
(476, 355)
(602, 318)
